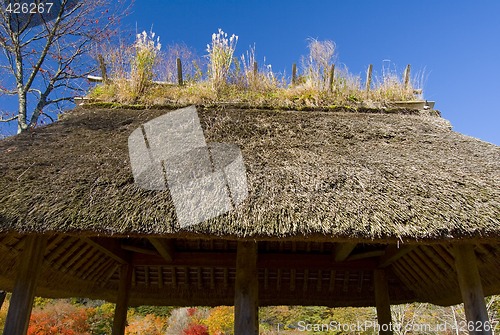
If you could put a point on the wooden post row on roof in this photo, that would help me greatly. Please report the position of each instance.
(23, 294)
(102, 65)
(369, 77)
(472, 291)
(120, 317)
(331, 78)
(406, 76)
(382, 302)
(294, 74)
(180, 80)
(246, 308)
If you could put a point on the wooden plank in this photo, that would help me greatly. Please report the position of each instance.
(23, 293)
(306, 280)
(471, 289)
(164, 247)
(278, 280)
(174, 277)
(345, 287)
(382, 302)
(333, 274)
(160, 277)
(394, 253)
(320, 279)
(120, 317)
(246, 316)
(342, 251)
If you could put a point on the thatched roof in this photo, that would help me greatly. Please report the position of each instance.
(362, 176)
(331, 197)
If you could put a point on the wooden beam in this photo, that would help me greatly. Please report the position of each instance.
(120, 318)
(139, 250)
(365, 255)
(21, 302)
(109, 246)
(393, 253)
(164, 247)
(382, 302)
(268, 260)
(246, 312)
(471, 289)
(342, 251)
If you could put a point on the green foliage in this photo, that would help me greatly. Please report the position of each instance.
(164, 311)
(101, 319)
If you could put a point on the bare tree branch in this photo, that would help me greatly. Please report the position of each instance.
(9, 119)
(48, 58)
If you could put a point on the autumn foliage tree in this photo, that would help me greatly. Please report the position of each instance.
(46, 53)
(60, 318)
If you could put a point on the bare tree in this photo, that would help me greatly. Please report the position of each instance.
(46, 52)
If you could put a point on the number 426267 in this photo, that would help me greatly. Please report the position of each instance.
(29, 8)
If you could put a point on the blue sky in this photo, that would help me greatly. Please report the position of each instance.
(455, 43)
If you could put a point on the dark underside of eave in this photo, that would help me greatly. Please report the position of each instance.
(348, 176)
(202, 272)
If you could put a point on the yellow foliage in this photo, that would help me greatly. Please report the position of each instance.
(221, 321)
(149, 324)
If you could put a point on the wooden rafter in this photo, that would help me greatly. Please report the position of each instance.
(393, 253)
(165, 248)
(342, 250)
(109, 246)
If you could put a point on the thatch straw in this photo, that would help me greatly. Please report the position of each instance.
(360, 176)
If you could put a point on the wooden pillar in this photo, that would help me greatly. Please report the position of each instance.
(472, 290)
(246, 311)
(120, 318)
(21, 302)
(3, 294)
(382, 302)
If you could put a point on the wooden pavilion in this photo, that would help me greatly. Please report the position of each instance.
(344, 208)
